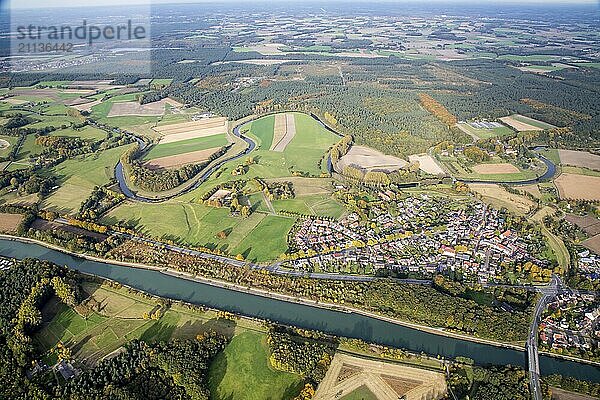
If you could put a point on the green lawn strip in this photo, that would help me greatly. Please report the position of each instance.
(243, 372)
(533, 122)
(185, 146)
(262, 129)
(267, 241)
(360, 393)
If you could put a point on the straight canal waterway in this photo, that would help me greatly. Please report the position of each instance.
(335, 322)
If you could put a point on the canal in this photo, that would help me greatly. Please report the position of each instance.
(338, 323)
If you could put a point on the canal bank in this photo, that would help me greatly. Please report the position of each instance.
(289, 312)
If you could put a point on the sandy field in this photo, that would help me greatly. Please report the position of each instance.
(370, 159)
(579, 159)
(491, 169)
(518, 125)
(193, 129)
(193, 157)
(386, 381)
(284, 131)
(578, 187)
(219, 195)
(10, 222)
(14, 102)
(427, 164)
(499, 197)
(590, 224)
(132, 108)
(4, 144)
(534, 190)
(593, 244)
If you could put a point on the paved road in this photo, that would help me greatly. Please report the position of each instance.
(548, 293)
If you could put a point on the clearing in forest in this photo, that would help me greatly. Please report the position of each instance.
(521, 123)
(347, 376)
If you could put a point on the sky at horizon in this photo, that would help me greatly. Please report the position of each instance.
(23, 4)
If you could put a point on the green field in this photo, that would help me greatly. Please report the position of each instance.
(12, 140)
(79, 176)
(197, 224)
(186, 146)
(121, 320)
(302, 154)
(243, 372)
(360, 393)
(588, 65)
(320, 205)
(487, 133)
(531, 58)
(87, 132)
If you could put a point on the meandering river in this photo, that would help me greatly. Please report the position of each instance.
(338, 323)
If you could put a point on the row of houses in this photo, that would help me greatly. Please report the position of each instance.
(571, 322)
(427, 236)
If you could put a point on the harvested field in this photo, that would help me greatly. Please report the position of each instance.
(193, 129)
(14, 102)
(87, 106)
(499, 197)
(427, 164)
(307, 186)
(559, 394)
(593, 244)
(589, 223)
(10, 222)
(518, 125)
(132, 108)
(194, 157)
(579, 159)
(370, 160)
(383, 381)
(533, 190)
(578, 187)
(491, 169)
(283, 132)
(43, 225)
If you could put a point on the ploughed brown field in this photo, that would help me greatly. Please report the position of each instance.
(370, 159)
(132, 108)
(578, 187)
(10, 222)
(179, 160)
(491, 169)
(518, 125)
(579, 159)
(192, 130)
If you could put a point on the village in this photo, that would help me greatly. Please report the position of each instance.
(466, 241)
(571, 325)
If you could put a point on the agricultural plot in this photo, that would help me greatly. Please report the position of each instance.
(302, 154)
(499, 198)
(284, 131)
(427, 164)
(484, 130)
(134, 108)
(578, 187)
(369, 159)
(79, 176)
(197, 224)
(243, 371)
(5, 144)
(10, 222)
(494, 169)
(192, 129)
(87, 132)
(348, 376)
(115, 317)
(521, 123)
(582, 159)
(185, 146)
